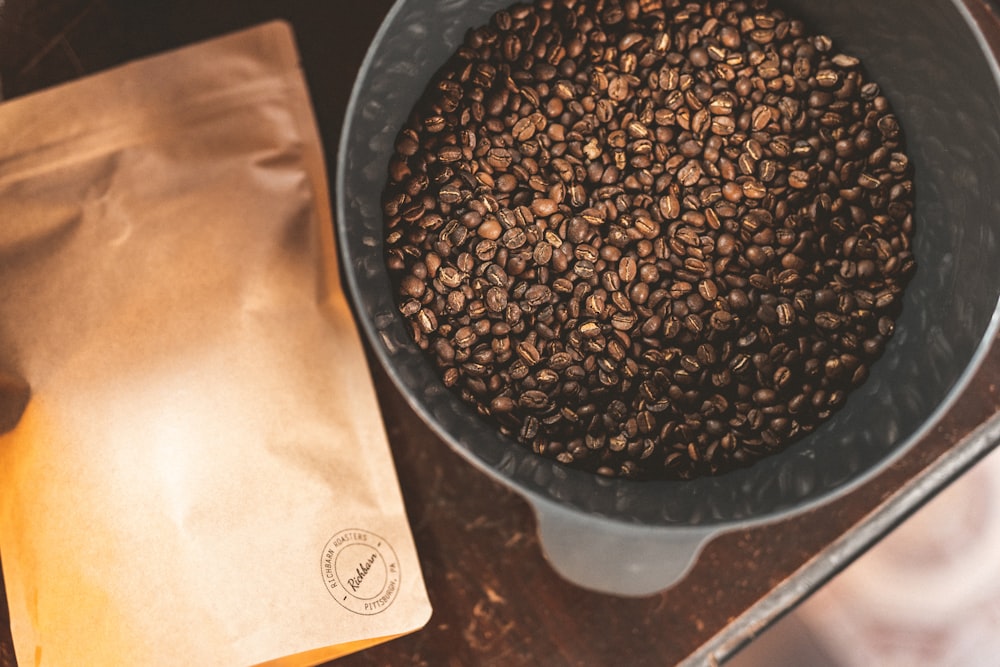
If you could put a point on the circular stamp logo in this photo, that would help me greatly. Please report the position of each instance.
(361, 571)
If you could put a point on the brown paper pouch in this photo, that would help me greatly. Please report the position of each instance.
(193, 470)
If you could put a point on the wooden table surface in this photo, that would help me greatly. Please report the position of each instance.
(496, 600)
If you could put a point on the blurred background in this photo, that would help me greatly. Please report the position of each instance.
(928, 595)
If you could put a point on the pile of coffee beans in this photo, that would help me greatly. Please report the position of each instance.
(650, 239)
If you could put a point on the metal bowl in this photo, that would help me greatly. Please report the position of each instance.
(633, 538)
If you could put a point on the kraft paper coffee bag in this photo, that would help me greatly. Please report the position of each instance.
(193, 469)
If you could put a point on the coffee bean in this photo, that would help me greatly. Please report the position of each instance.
(798, 179)
(533, 400)
(786, 314)
(650, 251)
(496, 299)
(536, 295)
(829, 321)
(544, 207)
(690, 173)
(427, 320)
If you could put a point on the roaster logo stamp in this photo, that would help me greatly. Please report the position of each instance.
(361, 571)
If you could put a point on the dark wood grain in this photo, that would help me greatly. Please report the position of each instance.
(496, 600)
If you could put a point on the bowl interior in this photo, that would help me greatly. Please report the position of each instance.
(944, 89)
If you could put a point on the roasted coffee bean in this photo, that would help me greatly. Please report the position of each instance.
(786, 314)
(650, 250)
(534, 400)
